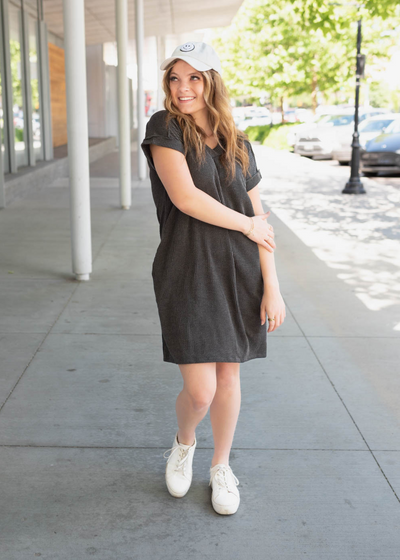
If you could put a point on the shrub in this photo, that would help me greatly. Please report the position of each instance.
(273, 136)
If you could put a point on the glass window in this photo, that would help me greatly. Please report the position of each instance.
(34, 71)
(375, 125)
(340, 120)
(4, 155)
(394, 128)
(15, 27)
(31, 7)
(323, 119)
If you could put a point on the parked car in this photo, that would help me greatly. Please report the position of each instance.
(322, 114)
(261, 120)
(383, 152)
(368, 129)
(304, 115)
(298, 115)
(318, 142)
(296, 131)
(290, 116)
(276, 117)
(238, 114)
(251, 116)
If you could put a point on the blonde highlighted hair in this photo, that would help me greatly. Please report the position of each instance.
(216, 98)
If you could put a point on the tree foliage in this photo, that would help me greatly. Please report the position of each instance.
(290, 47)
(332, 14)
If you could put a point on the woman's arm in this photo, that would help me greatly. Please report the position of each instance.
(272, 304)
(173, 170)
(267, 259)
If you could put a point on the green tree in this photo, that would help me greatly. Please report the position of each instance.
(328, 15)
(272, 47)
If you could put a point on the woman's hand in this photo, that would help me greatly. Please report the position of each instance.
(273, 306)
(263, 232)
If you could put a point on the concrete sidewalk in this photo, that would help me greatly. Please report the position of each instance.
(88, 406)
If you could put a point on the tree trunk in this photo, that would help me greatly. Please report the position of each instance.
(282, 111)
(314, 84)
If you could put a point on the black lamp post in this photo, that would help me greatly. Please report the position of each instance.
(354, 185)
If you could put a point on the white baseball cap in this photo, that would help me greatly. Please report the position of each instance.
(199, 55)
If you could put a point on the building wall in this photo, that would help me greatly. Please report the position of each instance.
(58, 95)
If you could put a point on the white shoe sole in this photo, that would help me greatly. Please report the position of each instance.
(176, 494)
(225, 510)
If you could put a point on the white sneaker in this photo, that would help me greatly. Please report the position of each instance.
(179, 471)
(225, 496)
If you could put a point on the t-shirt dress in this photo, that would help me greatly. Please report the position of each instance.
(207, 279)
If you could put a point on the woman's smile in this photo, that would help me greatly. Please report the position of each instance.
(187, 88)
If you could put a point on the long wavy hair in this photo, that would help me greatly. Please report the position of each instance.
(216, 98)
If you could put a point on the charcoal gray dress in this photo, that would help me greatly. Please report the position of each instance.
(207, 279)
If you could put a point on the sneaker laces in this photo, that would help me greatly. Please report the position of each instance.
(183, 455)
(220, 476)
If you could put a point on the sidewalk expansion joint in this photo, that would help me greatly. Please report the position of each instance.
(197, 447)
(343, 404)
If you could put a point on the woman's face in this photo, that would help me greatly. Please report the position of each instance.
(187, 82)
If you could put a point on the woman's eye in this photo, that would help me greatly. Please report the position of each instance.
(174, 78)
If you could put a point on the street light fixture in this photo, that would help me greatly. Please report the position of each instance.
(354, 185)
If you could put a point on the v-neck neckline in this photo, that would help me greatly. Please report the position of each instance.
(217, 150)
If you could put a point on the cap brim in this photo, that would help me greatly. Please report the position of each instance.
(201, 66)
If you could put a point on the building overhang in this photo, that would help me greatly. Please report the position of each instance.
(161, 17)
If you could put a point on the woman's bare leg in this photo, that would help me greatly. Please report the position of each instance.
(224, 410)
(193, 402)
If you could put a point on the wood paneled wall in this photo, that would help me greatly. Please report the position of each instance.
(58, 95)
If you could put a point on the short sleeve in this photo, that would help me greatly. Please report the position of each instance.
(161, 134)
(253, 176)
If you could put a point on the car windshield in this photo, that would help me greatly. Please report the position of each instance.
(340, 120)
(322, 119)
(374, 126)
(394, 128)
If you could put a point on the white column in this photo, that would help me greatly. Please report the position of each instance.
(142, 169)
(124, 133)
(77, 126)
(2, 189)
(160, 73)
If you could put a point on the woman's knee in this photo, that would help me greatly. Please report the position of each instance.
(200, 385)
(228, 375)
(202, 397)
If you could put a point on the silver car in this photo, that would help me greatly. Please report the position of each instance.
(368, 129)
(318, 142)
(298, 130)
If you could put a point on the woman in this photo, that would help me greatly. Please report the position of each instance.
(214, 274)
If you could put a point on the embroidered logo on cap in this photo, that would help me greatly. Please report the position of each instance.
(187, 47)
